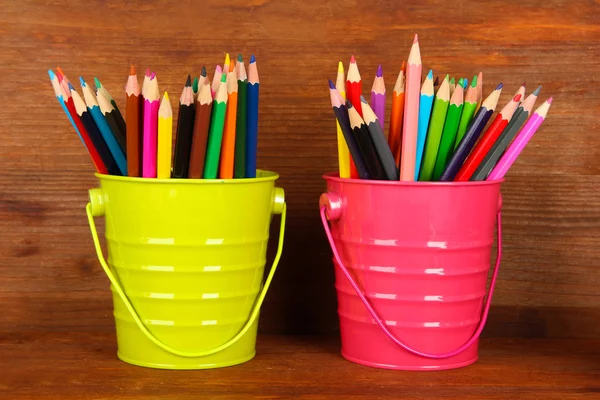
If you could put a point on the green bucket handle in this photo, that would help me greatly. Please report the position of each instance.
(279, 207)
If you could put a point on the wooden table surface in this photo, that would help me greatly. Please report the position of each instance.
(84, 366)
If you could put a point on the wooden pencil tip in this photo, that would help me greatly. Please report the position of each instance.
(166, 96)
(70, 86)
(430, 74)
(340, 67)
(152, 76)
(499, 86)
(188, 81)
(252, 59)
(218, 69)
(537, 91)
(224, 78)
(132, 70)
(97, 83)
(348, 104)
(60, 71)
(82, 81)
(331, 84)
(524, 85)
(403, 68)
(352, 59)
(362, 99)
(452, 81)
(549, 101)
(240, 59)
(416, 39)
(51, 74)
(203, 72)
(517, 97)
(379, 73)
(474, 82)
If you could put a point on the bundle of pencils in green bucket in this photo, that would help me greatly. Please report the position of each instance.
(217, 125)
(437, 131)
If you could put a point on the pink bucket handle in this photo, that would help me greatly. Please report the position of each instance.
(331, 208)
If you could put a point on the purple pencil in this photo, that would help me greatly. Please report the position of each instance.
(378, 96)
(513, 151)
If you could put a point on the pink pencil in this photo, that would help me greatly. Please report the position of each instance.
(216, 80)
(511, 154)
(378, 96)
(151, 105)
(411, 113)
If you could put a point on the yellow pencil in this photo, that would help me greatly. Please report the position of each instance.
(343, 152)
(165, 138)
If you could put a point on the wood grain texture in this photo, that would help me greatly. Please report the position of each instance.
(84, 366)
(549, 282)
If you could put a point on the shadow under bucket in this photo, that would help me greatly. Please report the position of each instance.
(411, 265)
(186, 262)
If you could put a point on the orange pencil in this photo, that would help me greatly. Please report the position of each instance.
(228, 146)
(395, 133)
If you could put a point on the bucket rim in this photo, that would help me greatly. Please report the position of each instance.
(262, 176)
(334, 176)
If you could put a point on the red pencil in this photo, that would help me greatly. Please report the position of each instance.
(96, 159)
(487, 140)
(353, 93)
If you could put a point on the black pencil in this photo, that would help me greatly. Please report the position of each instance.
(386, 158)
(109, 113)
(185, 131)
(364, 142)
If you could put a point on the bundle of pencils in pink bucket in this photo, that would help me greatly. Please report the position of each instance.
(438, 131)
(217, 126)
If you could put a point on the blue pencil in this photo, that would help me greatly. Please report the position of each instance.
(59, 96)
(425, 105)
(252, 118)
(109, 137)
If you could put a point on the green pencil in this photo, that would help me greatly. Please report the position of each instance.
(452, 86)
(239, 159)
(215, 133)
(434, 133)
(195, 86)
(468, 111)
(449, 133)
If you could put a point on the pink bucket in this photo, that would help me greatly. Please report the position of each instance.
(412, 261)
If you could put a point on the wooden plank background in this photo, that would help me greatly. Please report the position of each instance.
(549, 281)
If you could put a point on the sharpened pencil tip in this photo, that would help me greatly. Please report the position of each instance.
(537, 91)
(203, 72)
(166, 96)
(132, 70)
(188, 81)
(465, 83)
(60, 71)
(227, 59)
(430, 74)
(70, 86)
(474, 82)
(219, 69)
(379, 71)
(331, 84)
(517, 97)
(224, 78)
(240, 58)
(82, 82)
(416, 39)
(252, 59)
(97, 83)
(452, 81)
(340, 67)
(148, 72)
(152, 76)
(447, 77)
(353, 59)
(524, 85)
(51, 74)
(362, 99)
(499, 86)
(403, 67)
(549, 101)
(348, 104)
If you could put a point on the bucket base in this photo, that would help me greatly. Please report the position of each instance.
(187, 366)
(410, 367)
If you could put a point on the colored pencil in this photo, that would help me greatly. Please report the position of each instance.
(228, 148)
(511, 130)
(449, 132)
(150, 143)
(479, 90)
(425, 104)
(386, 158)
(434, 133)
(252, 118)
(201, 79)
(58, 92)
(216, 80)
(411, 113)
(341, 114)
(470, 104)
(465, 83)
(94, 134)
(487, 140)
(185, 131)
(361, 133)
(134, 123)
(110, 115)
(397, 114)
(481, 118)
(521, 91)
(107, 134)
(226, 64)
(215, 137)
(239, 162)
(353, 92)
(145, 82)
(343, 151)
(165, 138)
(378, 96)
(436, 83)
(513, 151)
(195, 87)
(201, 127)
(80, 128)
(101, 88)
(452, 86)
